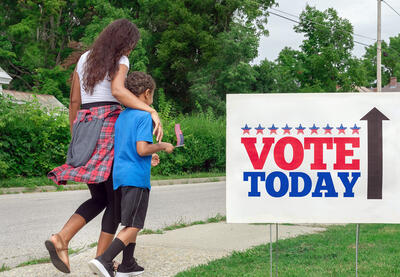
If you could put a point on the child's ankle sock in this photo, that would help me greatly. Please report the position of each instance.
(127, 256)
(112, 251)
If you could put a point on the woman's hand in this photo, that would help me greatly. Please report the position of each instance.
(158, 130)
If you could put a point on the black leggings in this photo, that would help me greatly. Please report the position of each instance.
(102, 197)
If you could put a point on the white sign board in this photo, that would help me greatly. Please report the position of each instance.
(313, 158)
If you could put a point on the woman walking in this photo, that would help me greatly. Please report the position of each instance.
(97, 91)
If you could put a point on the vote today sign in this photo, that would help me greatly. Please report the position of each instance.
(313, 158)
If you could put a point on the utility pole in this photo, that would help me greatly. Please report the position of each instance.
(379, 51)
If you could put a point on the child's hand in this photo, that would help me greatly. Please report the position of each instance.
(155, 160)
(168, 147)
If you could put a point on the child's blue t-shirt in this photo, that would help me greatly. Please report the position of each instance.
(130, 169)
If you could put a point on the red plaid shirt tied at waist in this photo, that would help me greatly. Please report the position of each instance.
(98, 168)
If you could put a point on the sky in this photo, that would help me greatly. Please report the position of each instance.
(361, 13)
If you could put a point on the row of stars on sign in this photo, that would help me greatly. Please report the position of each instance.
(300, 130)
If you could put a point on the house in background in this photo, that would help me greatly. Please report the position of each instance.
(46, 101)
(5, 79)
(393, 86)
(363, 89)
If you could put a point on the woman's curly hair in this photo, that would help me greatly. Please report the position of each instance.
(138, 82)
(116, 40)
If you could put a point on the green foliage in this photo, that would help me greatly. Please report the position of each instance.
(324, 63)
(390, 61)
(53, 82)
(179, 38)
(204, 149)
(32, 141)
(164, 106)
(228, 70)
(186, 45)
(326, 51)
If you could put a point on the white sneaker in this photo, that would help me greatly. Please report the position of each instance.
(101, 269)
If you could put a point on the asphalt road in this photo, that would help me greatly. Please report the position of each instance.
(27, 220)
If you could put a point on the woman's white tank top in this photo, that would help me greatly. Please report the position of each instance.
(102, 90)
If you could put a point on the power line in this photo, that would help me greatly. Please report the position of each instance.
(398, 15)
(296, 21)
(390, 7)
(358, 35)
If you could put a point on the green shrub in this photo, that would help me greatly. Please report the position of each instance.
(33, 141)
(204, 150)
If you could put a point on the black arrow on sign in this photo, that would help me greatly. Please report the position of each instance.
(375, 153)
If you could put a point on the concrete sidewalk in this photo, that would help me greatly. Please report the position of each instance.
(174, 251)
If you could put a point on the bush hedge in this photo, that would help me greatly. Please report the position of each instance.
(33, 141)
(204, 149)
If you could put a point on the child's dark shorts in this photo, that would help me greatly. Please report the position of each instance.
(134, 202)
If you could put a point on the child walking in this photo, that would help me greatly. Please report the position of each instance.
(132, 162)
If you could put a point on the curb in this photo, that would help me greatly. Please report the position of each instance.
(83, 186)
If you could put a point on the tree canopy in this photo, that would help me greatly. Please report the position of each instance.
(196, 50)
(179, 38)
(324, 62)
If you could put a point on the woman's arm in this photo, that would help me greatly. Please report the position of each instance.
(74, 99)
(128, 99)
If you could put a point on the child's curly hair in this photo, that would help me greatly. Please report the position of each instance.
(138, 82)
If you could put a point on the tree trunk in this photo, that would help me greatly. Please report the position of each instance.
(52, 33)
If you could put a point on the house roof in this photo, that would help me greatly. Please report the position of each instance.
(48, 101)
(390, 88)
(5, 79)
(363, 89)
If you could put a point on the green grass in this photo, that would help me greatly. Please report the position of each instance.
(35, 261)
(330, 253)
(94, 244)
(46, 260)
(4, 268)
(26, 182)
(75, 251)
(151, 232)
(181, 224)
(32, 183)
(188, 176)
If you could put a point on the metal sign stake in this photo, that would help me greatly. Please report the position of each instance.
(270, 249)
(276, 250)
(357, 239)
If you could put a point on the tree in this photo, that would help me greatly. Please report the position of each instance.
(186, 36)
(178, 38)
(228, 71)
(390, 61)
(325, 62)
